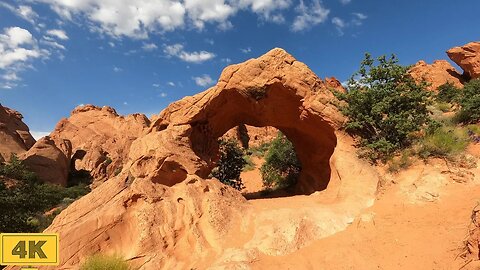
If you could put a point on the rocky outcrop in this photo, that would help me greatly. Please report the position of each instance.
(468, 58)
(15, 137)
(249, 136)
(274, 90)
(436, 74)
(161, 211)
(333, 83)
(100, 139)
(48, 162)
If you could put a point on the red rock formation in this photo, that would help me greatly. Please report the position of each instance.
(436, 74)
(250, 136)
(468, 58)
(284, 94)
(161, 213)
(48, 162)
(100, 139)
(335, 84)
(15, 137)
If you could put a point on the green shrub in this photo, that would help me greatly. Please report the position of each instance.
(103, 262)
(25, 201)
(443, 106)
(261, 150)
(470, 103)
(400, 163)
(384, 106)
(249, 165)
(230, 164)
(282, 167)
(448, 93)
(444, 142)
(15, 169)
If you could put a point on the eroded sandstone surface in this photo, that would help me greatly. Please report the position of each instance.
(15, 137)
(436, 74)
(100, 139)
(161, 211)
(468, 58)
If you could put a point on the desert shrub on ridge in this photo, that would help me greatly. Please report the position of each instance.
(384, 106)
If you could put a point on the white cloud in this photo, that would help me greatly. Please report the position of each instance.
(17, 49)
(149, 47)
(57, 33)
(204, 80)
(309, 16)
(345, 2)
(37, 135)
(163, 95)
(22, 11)
(178, 51)
(358, 18)
(156, 85)
(172, 84)
(140, 18)
(339, 24)
(246, 50)
(226, 60)
(117, 69)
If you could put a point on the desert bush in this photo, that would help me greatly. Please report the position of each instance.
(384, 106)
(400, 163)
(470, 103)
(249, 165)
(17, 170)
(444, 142)
(25, 201)
(104, 262)
(230, 164)
(259, 151)
(443, 106)
(282, 167)
(448, 93)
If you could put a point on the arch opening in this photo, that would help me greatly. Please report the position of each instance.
(277, 106)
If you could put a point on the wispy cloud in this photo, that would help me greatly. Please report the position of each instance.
(204, 80)
(149, 46)
(309, 16)
(177, 50)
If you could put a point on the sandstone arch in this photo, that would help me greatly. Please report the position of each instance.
(273, 90)
(159, 214)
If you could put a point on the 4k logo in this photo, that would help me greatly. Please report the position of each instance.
(29, 249)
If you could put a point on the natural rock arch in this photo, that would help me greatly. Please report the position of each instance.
(273, 90)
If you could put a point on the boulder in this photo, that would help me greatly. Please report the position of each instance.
(15, 137)
(436, 74)
(468, 58)
(48, 162)
(100, 139)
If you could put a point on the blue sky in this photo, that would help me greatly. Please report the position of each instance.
(141, 55)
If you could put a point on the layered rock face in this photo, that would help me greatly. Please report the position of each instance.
(250, 136)
(48, 161)
(436, 74)
(333, 83)
(15, 137)
(100, 139)
(160, 212)
(468, 58)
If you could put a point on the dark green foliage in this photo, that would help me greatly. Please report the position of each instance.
(230, 164)
(448, 93)
(470, 103)
(17, 170)
(282, 167)
(384, 106)
(24, 201)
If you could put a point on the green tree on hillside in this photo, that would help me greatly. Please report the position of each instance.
(230, 164)
(384, 106)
